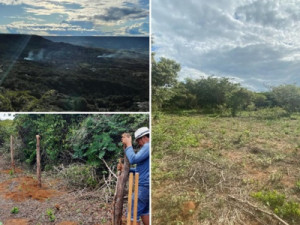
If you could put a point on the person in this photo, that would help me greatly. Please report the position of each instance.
(141, 159)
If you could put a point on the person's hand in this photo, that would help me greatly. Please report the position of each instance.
(127, 140)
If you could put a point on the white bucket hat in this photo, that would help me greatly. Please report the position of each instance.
(141, 132)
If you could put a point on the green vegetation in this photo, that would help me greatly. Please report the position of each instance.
(212, 139)
(11, 172)
(81, 140)
(81, 176)
(218, 156)
(51, 215)
(14, 210)
(6, 129)
(297, 186)
(66, 77)
(215, 95)
(288, 210)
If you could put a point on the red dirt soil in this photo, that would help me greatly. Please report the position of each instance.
(67, 223)
(17, 222)
(22, 188)
(17, 170)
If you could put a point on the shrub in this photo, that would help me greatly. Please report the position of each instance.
(80, 176)
(51, 215)
(272, 199)
(288, 210)
(14, 210)
(297, 186)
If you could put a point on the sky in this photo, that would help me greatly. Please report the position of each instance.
(7, 116)
(255, 43)
(75, 17)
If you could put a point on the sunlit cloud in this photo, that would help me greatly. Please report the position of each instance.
(101, 17)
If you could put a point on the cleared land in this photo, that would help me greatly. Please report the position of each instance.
(223, 170)
(54, 203)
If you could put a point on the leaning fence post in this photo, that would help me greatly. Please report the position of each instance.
(38, 160)
(13, 167)
(120, 190)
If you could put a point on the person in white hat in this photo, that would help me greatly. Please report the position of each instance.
(141, 159)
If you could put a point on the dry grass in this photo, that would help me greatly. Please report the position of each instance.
(207, 159)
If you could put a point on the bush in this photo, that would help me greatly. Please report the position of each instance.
(80, 176)
(273, 199)
(288, 210)
(51, 215)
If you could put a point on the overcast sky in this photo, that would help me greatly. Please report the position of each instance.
(75, 17)
(257, 43)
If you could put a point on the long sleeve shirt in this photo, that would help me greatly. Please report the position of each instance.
(141, 158)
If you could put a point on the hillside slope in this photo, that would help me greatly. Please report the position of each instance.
(40, 75)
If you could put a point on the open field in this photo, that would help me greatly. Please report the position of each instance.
(224, 170)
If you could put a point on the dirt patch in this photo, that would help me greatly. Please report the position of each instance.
(288, 181)
(17, 170)
(253, 173)
(67, 223)
(206, 144)
(22, 188)
(235, 156)
(17, 222)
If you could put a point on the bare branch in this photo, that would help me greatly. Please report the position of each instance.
(109, 169)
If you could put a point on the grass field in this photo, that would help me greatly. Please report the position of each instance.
(222, 170)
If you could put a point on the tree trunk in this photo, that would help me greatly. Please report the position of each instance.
(119, 194)
(38, 161)
(13, 167)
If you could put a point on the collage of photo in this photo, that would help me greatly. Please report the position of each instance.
(149, 112)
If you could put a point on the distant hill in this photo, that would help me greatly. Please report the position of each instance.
(117, 43)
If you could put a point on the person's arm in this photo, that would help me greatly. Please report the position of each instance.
(138, 157)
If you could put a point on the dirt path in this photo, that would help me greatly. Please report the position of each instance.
(51, 204)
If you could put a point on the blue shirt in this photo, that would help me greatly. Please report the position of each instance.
(141, 158)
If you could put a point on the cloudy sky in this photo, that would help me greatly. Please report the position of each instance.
(257, 43)
(75, 17)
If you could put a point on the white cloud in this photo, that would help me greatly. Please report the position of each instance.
(104, 14)
(240, 38)
(195, 74)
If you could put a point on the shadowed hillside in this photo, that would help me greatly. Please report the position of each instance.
(40, 75)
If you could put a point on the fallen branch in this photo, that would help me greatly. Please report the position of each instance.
(109, 169)
(258, 209)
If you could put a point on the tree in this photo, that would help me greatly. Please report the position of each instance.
(164, 77)
(182, 98)
(211, 92)
(287, 97)
(261, 100)
(239, 99)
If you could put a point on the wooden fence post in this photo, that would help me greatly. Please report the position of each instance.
(130, 199)
(13, 167)
(136, 196)
(38, 161)
(120, 191)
